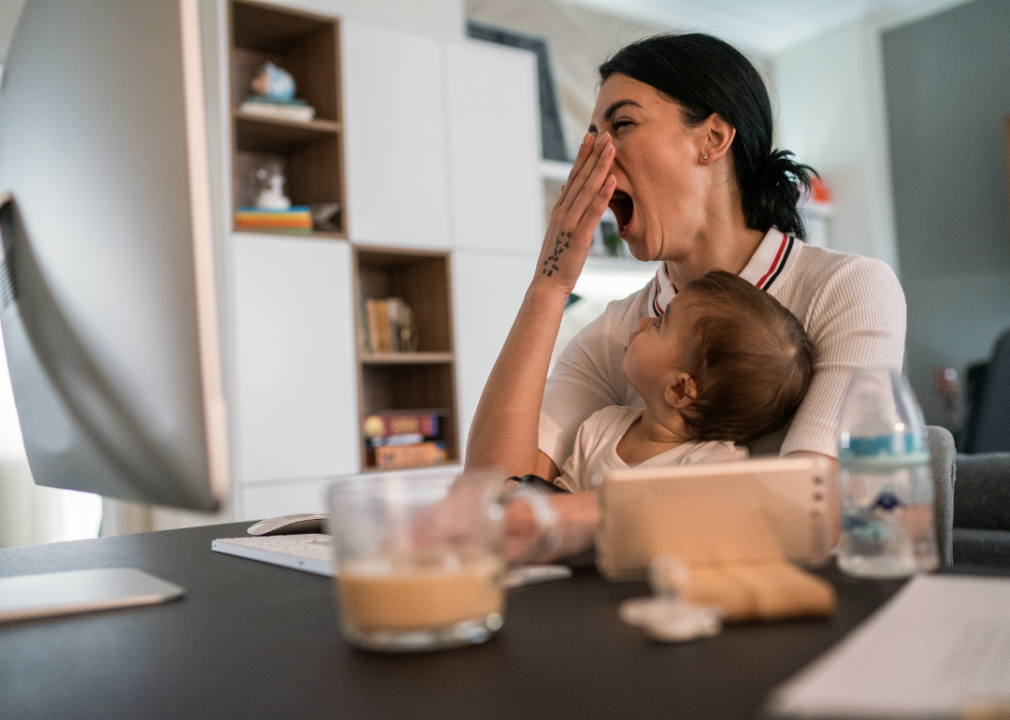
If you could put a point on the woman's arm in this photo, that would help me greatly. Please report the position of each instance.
(504, 431)
(856, 319)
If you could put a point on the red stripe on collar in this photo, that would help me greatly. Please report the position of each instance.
(778, 256)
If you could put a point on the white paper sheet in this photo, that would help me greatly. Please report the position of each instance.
(940, 646)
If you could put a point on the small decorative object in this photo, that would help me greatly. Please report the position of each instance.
(667, 616)
(606, 239)
(273, 95)
(326, 217)
(271, 183)
(407, 328)
(273, 83)
(611, 239)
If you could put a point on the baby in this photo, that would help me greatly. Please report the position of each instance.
(726, 363)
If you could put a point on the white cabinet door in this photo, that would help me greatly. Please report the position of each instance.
(488, 289)
(270, 500)
(394, 121)
(494, 147)
(295, 405)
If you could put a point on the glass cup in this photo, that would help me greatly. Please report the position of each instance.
(418, 559)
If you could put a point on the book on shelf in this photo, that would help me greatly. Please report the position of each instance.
(394, 456)
(380, 333)
(297, 110)
(386, 425)
(390, 440)
(387, 326)
(296, 219)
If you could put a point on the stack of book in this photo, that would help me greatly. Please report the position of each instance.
(297, 110)
(387, 326)
(398, 440)
(296, 220)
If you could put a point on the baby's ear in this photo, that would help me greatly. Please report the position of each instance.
(682, 391)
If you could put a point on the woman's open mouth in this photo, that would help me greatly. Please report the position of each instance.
(623, 208)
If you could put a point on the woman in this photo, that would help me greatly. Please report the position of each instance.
(680, 149)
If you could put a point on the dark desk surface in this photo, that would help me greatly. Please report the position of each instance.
(252, 640)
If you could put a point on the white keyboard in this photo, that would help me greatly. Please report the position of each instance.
(313, 553)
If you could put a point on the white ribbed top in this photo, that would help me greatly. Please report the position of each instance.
(852, 307)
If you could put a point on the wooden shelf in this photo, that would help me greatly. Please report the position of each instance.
(309, 153)
(314, 235)
(256, 133)
(373, 469)
(407, 358)
(391, 383)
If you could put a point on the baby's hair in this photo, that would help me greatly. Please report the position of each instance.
(749, 357)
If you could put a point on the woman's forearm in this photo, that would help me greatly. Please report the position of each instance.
(505, 427)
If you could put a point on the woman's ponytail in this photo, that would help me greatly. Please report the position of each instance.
(705, 75)
(773, 191)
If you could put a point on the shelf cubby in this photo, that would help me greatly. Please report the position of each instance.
(310, 153)
(425, 380)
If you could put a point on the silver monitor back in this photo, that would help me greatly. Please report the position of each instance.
(108, 296)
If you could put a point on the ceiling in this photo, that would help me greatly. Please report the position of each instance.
(769, 27)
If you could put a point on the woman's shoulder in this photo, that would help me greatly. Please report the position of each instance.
(815, 265)
(829, 280)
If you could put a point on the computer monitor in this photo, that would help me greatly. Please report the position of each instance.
(109, 300)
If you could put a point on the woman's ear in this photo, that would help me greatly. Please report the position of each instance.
(717, 137)
(682, 391)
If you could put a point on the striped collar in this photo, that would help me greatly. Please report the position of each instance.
(767, 265)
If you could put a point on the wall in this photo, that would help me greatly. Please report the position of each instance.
(438, 17)
(948, 93)
(829, 105)
(579, 40)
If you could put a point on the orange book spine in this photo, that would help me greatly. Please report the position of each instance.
(394, 456)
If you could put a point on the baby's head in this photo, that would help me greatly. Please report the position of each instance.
(744, 360)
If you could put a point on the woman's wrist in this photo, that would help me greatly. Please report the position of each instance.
(546, 292)
(578, 516)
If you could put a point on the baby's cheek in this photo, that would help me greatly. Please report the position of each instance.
(632, 363)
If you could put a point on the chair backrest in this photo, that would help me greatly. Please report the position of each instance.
(941, 460)
(941, 454)
(992, 424)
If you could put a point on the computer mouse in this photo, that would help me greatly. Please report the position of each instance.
(289, 524)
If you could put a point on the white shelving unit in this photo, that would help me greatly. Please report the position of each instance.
(426, 169)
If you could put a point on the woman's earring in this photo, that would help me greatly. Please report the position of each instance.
(704, 157)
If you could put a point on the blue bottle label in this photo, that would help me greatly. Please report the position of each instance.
(882, 450)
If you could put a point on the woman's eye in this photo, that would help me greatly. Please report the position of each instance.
(618, 124)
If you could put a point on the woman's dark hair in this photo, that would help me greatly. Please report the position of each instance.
(705, 75)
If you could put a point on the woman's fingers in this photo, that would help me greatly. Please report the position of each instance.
(580, 202)
(590, 154)
(570, 232)
(589, 178)
(591, 217)
(585, 149)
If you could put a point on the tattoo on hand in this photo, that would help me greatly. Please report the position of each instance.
(553, 259)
